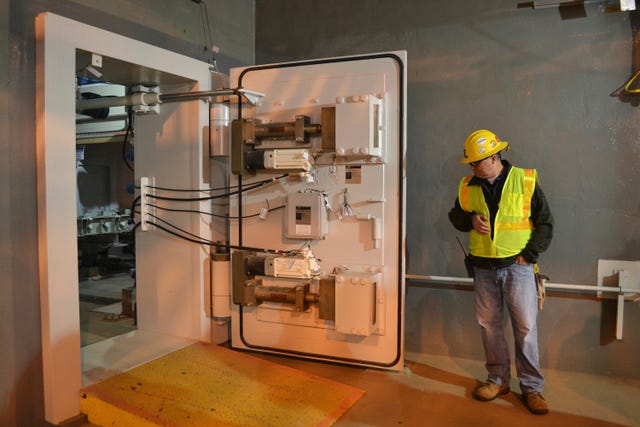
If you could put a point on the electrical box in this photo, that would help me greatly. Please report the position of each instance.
(356, 302)
(306, 216)
(359, 126)
(301, 268)
(287, 159)
(627, 5)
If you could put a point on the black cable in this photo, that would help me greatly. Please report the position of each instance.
(128, 133)
(133, 230)
(203, 241)
(178, 228)
(240, 206)
(219, 196)
(198, 199)
(258, 214)
(209, 213)
(133, 207)
(213, 56)
(204, 17)
(264, 181)
(186, 210)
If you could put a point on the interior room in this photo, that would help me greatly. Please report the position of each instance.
(258, 193)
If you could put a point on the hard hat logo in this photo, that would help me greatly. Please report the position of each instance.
(481, 144)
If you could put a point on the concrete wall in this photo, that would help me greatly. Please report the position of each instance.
(546, 80)
(7, 330)
(175, 25)
(546, 84)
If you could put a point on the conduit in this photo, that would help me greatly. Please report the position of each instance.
(590, 288)
(619, 290)
(153, 98)
(141, 98)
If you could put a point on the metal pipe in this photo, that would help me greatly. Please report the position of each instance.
(439, 279)
(619, 290)
(548, 285)
(141, 98)
(283, 130)
(150, 98)
(189, 96)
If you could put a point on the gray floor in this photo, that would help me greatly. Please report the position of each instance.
(436, 391)
(101, 313)
(105, 287)
(432, 390)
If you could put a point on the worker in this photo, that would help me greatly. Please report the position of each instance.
(509, 224)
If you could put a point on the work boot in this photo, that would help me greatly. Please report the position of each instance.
(489, 391)
(536, 403)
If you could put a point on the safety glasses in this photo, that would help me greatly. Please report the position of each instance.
(475, 164)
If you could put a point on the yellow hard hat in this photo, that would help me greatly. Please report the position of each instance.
(482, 144)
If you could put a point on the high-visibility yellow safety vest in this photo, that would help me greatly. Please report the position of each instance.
(512, 227)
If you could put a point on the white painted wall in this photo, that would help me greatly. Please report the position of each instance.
(171, 274)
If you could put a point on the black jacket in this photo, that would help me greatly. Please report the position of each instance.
(541, 218)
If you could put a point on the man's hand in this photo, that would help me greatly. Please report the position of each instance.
(480, 224)
(521, 260)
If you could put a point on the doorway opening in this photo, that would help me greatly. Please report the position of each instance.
(171, 277)
(122, 288)
(105, 179)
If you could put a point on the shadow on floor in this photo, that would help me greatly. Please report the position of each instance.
(425, 395)
(436, 391)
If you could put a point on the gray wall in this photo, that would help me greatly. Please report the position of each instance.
(544, 80)
(175, 25)
(543, 83)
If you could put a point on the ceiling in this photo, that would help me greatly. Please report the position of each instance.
(125, 73)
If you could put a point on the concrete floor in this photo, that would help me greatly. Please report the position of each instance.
(436, 391)
(431, 391)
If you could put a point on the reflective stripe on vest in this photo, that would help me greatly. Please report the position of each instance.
(512, 226)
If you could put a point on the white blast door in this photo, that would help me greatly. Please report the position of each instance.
(318, 225)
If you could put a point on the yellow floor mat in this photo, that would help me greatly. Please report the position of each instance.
(205, 385)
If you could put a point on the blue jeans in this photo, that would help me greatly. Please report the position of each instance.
(515, 287)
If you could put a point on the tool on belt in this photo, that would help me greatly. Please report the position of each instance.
(541, 282)
(467, 259)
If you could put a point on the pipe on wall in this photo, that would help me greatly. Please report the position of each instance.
(620, 291)
(439, 280)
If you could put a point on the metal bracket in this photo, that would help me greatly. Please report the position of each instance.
(145, 209)
(143, 103)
